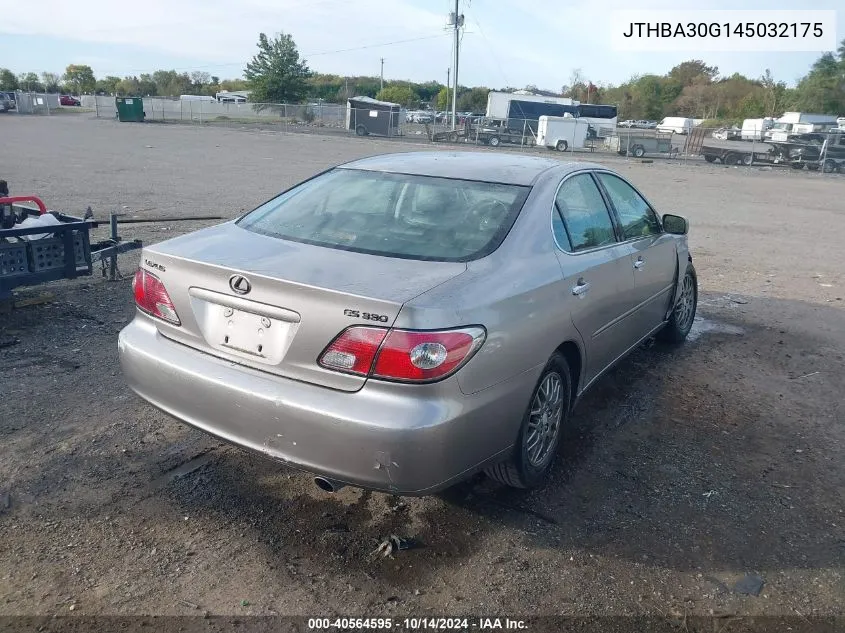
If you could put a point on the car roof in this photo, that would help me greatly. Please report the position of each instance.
(501, 167)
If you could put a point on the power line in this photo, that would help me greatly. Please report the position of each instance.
(307, 55)
(492, 51)
(360, 48)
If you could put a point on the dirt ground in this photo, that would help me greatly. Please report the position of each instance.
(684, 471)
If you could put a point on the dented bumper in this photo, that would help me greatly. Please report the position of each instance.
(404, 439)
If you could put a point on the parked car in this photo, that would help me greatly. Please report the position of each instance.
(728, 134)
(68, 100)
(627, 123)
(9, 100)
(419, 116)
(439, 315)
(648, 125)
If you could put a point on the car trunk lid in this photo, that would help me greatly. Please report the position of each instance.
(274, 305)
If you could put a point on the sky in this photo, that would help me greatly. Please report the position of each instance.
(505, 42)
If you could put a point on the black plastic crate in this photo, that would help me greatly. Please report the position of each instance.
(29, 262)
(49, 252)
(13, 259)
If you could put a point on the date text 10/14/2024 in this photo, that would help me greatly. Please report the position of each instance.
(417, 624)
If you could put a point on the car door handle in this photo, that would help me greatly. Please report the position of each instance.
(581, 288)
(639, 263)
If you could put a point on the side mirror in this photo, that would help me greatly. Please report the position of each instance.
(675, 224)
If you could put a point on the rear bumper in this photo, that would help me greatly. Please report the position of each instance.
(404, 439)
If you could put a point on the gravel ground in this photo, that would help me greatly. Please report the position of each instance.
(684, 471)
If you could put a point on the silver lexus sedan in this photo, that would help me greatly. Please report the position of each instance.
(404, 321)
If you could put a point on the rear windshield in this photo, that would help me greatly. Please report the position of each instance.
(395, 215)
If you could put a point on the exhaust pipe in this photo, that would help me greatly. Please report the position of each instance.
(328, 485)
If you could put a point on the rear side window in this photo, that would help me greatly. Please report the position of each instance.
(637, 218)
(584, 214)
(395, 215)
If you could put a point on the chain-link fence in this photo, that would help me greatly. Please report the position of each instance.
(729, 146)
(34, 103)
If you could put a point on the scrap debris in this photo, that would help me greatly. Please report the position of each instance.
(393, 544)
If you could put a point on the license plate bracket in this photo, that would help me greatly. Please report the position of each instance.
(247, 333)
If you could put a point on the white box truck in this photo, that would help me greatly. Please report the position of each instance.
(676, 125)
(498, 103)
(561, 132)
(755, 129)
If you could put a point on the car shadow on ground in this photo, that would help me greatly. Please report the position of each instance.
(705, 456)
(723, 453)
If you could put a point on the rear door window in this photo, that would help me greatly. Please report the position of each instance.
(584, 214)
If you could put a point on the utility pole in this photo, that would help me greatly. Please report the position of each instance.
(456, 20)
(382, 73)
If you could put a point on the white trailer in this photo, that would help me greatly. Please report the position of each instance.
(561, 132)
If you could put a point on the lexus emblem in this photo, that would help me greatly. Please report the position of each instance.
(239, 284)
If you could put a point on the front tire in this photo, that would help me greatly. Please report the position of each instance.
(494, 141)
(683, 314)
(639, 151)
(539, 434)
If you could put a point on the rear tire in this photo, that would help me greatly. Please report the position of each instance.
(494, 141)
(683, 314)
(830, 166)
(453, 137)
(709, 158)
(545, 416)
(731, 159)
(797, 165)
(360, 130)
(562, 146)
(747, 160)
(639, 151)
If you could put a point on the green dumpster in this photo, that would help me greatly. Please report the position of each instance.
(130, 109)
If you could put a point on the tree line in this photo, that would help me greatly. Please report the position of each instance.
(696, 90)
(278, 74)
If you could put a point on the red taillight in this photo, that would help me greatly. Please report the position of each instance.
(404, 355)
(353, 350)
(152, 297)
